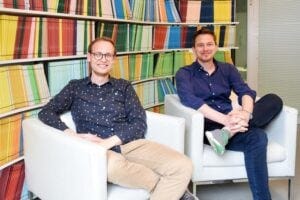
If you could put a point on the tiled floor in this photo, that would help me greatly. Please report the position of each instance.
(241, 191)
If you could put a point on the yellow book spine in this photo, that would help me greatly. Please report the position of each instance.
(4, 138)
(15, 137)
(11, 32)
(85, 7)
(5, 95)
(126, 67)
(116, 68)
(36, 37)
(222, 11)
(217, 33)
(17, 87)
(138, 66)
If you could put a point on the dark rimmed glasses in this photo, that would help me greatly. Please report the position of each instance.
(99, 56)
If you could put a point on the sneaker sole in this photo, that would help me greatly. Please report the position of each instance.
(218, 148)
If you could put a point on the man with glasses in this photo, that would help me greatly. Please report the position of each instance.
(108, 112)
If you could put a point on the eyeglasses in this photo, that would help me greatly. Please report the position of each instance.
(99, 56)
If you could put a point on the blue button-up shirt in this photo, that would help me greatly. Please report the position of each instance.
(106, 110)
(196, 87)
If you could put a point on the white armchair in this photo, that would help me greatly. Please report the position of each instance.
(210, 168)
(59, 166)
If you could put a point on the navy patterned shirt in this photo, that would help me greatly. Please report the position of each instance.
(196, 87)
(110, 109)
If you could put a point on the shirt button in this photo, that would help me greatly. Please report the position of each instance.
(219, 106)
(112, 129)
(213, 93)
(210, 84)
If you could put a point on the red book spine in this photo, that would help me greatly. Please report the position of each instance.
(53, 36)
(184, 30)
(19, 38)
(4, 175)
(160, 33)
(15, 178)
(26, 37)
(8, 3)
(37, 5)
(20, 182)
(183, 9)
(68, 28)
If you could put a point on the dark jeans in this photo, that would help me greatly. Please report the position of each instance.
(254, 144)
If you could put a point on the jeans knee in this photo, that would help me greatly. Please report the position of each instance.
(257, 137)
(274, 100)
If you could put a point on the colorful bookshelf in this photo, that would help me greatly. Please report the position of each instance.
(43, 45)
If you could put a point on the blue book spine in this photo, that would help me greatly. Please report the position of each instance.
(169, 11)
(119, 9)
(207, 11)
(174, 37)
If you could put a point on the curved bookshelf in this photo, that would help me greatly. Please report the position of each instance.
(21, 110)
(55, 58)
(11, 162)
(20, 12)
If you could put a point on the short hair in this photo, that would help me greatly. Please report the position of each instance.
(203, 31)
(106, 39)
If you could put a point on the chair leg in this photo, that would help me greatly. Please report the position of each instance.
(30, 196)
(194, 189)
(290, 189)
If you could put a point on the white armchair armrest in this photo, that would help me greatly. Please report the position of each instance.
(167, 130)
(194, 121)
(59, 166)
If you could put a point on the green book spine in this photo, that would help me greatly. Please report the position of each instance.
(33, 83)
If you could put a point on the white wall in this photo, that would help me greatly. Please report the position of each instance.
(274, 45)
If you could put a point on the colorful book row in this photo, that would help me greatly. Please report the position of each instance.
(153, 92)
(22, 86)
(136, 67)
(61, 72)
(33, 37)
(144, 10)
(148, 37)
(206, 11)
(101, 8)
(12, 181)
(11, 140)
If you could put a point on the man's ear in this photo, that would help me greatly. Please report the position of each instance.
(88, 57)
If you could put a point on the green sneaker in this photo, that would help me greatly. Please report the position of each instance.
(218, 139)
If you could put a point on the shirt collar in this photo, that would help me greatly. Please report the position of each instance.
(196, 65)
(88, 81)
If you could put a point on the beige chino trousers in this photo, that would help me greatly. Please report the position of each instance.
(162, 171)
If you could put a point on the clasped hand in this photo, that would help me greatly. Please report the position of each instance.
(238, 121)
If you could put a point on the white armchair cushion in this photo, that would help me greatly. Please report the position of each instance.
(275, 153)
